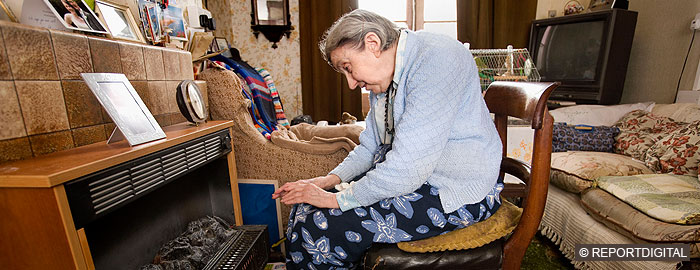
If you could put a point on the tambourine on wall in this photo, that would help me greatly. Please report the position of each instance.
(190, 102)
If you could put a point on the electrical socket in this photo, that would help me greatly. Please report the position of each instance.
(695, 24)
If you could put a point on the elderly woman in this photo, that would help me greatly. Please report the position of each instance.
(429, 159)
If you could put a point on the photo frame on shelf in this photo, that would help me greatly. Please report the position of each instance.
(220, 43)
(134, 121)
(174, 23)
(76, 15)
(151, 15)
(8, 12)
(596, 5)
(119, 21)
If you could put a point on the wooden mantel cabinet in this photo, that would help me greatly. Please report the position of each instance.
(37, 229)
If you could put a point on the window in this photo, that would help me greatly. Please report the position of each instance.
(439, 16)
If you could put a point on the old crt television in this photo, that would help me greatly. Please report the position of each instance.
(587, 53)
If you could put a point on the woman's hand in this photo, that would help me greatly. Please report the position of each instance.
(309, 191)
(305, 192)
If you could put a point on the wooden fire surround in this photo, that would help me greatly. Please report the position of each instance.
(36, 225)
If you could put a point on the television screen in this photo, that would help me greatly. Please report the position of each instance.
(569, 51)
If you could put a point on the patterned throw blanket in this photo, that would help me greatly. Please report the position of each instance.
(666, 197)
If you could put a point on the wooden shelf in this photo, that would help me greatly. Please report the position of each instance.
(59, 167)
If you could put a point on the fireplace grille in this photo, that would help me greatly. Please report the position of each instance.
(245, 250)
(95, 195)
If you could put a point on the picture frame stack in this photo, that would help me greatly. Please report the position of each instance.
(156, 22)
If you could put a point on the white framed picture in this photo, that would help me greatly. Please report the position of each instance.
(119, 21)
(134, 121)
(76, 15)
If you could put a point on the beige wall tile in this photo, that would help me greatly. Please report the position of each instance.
(132, 61)
(81, 104)
(88, 135)
(10, 114)
(171, 96)
(43, 107)
(176, 118)
(186, 66)
(171, 62)
(157, 94)
(5, 71)
(31, 54)
(15, 149)
(153, 58)
(51, 142)
(105, 55)
(141, 88)
(109, 127)
(72, 54)
(163, 119)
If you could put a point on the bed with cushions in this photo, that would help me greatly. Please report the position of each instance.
(644, 190)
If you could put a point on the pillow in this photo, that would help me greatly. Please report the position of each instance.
(681, 112)
(596, 115)
(666, 197)
(575, 171)
(639, 130)
(497, 226)
(676, 153)
(583, 138)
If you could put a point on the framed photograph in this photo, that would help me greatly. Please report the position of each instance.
(258, 206)
(119, 21)
(174, 23)
(125, 107)
(221, 43)
(600, 5)
(8, 12)
(150, 14)
(76, 15)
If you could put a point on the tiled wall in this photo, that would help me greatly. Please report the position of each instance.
(46, 107)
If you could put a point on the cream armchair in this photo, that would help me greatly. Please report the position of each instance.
(257, 157)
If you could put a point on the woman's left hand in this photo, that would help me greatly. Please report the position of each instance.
(307, 192)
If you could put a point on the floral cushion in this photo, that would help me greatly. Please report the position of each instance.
(676, 153)
(666, 197)
(639, 130)
(574, 171)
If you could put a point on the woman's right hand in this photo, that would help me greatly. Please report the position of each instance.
(324, 182)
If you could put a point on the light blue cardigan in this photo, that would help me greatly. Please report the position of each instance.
(444, 133)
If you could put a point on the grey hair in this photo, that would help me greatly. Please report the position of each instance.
(351, 29)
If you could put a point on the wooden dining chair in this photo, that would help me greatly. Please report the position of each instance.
(522, 100)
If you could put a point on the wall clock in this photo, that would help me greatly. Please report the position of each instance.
(190, 102)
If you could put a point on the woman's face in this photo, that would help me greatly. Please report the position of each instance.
(70, 6)
(369, 67)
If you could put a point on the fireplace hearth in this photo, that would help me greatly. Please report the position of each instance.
(114, 206)
(194, 247)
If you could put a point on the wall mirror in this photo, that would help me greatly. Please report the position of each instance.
(272, 19)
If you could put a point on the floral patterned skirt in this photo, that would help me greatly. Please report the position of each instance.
(322, 238)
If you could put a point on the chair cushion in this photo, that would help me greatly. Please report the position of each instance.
(497, 226)
(623, 218)
(575, 171)
(676, 153)
(389, 256)
(666, 197)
